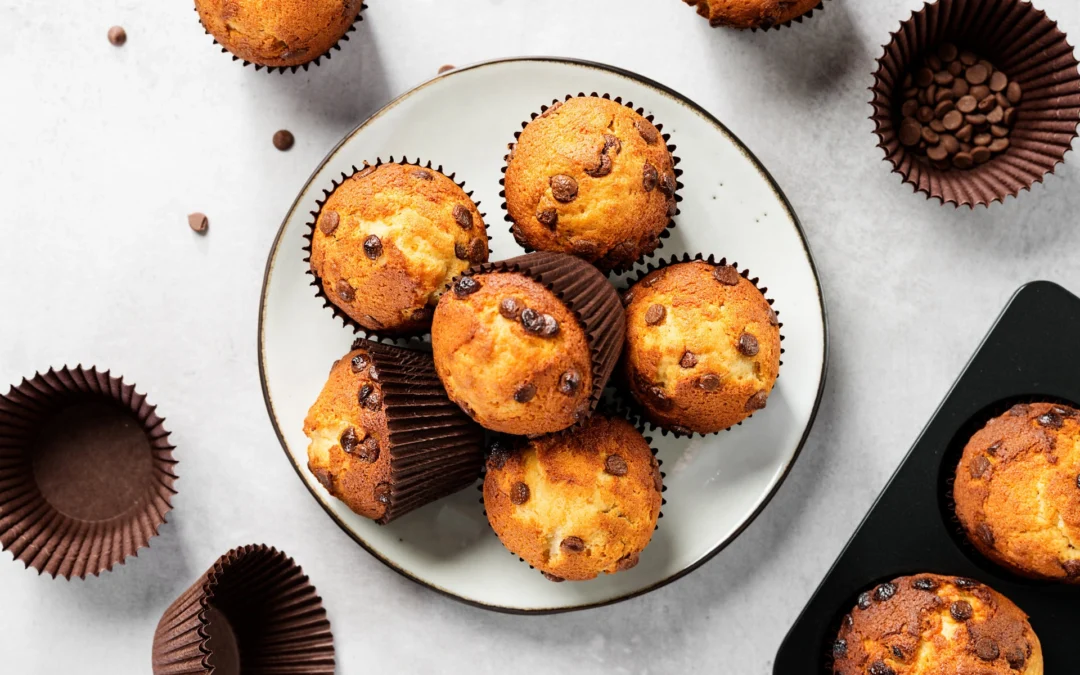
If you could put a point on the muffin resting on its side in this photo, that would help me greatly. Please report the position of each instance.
(577, 504)
(702, 346)
(278, 33)
(1017, 491)
(593, 178)
(389, 240)
(929, 624)
(744, 14)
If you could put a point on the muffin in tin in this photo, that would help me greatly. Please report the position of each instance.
(578, 504)
(278, 33)
(702, 346)
(927, 623)
(1017, 491)
(745, 14)
(593, 178)
(388, 241)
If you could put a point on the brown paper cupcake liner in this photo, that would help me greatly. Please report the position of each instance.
(635, 412)
(282, 69)
(675, 160)
(1026, 45)
(435, 448)
(587, 293)
(348, 321)
(86, 472)
(786, 24)
(254, 611)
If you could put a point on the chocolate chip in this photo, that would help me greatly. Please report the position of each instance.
(382, 493)
(569, 382)
(727, 275)
(985, 533)
(349, 440)
(880, 668)
(372, 401)
(979, 466)
(748, 345)
(117, 36)
(884, 592)
(757, 401)
(657, 478)
(373, 247)
(525, 393)
(582, 411)
(463, 217)
(668, 185)
(498, 455)
(359, 363)
(329, 222)
(1051, 420)
(897, 653)
(519, 493)
(648, 131)
(688, 360)
(365, 393)
(477, 252)
(367, 451)
(548, 218)
(198, 222)
(1072, 568)
(773, 320)
(924, 584)
(466, 286)
(965, 583)
(660, 399)
(461, 252)
(553, 578)
(864, 601)
(848, 621)
(373, 373)
(994, 447)
(551, 110)
(421, 174)
(510, 308)
(563, 188)
(604, 161)
(284, 139)
(324, 477)
(987, 649)
(1016, 657)
(616, 465)
(960, 610)
(839, 648)
(536, 323)
(345, 291)
(573, 544)
(710, 382)
(655, 314)
(1020, 410)
(628, 562)
(649, 177)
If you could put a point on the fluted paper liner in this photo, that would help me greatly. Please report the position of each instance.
(254, 611)
(697, 4)
(626, 400)
(320, 292)
(675, 160)
(587, 294)
(435, 448)
(86, 472)
(1031, 50)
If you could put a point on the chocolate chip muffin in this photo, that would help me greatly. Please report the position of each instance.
(278, 33)
(591, 177)
(1017, 491)
(702, 346)
(577, 504)
(384, 438)
(928, 624)
(388, 241)
(743, 14)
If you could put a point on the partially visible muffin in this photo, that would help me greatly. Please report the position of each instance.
(593, 178)
(1017, 491)
(929, 624)
(577, 504)
(388, 241)
(702, 346)
(743, 14)
(278, 33)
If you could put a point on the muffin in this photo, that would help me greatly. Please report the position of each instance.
(702, 346)
(927, 624)
(526, 345)
(744, 14)
(388, 241)
(384, 438)
(1017, 491)
(577, 504)
(591, 177)
(278, 33)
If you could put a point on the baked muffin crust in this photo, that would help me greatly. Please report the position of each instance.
(751, 13)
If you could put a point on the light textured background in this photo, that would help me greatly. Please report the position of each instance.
(104, 151)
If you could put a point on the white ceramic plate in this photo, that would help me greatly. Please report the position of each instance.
(730, 207)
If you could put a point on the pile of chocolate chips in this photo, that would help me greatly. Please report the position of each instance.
(958, 110)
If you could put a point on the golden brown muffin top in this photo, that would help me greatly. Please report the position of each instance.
(702, 346)
(577, 504)
(591, 177)
(278, 32)
(1017, 491)
(936, 625)
(512, 355)
(751, 13)
(348, 451)
(389, 240)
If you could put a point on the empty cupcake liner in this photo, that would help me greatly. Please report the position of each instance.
(703, 6)
(348, 321)
(675, 160)
(283, 69)
(1025, 44)
(86, 472)
(254, 611)
(626, 400)
(587, 293)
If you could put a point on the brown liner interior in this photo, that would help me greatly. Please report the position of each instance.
(786, 24)
(435, 448)
(385, 336)
(255, 605)
(675, 160)
(587, 294)
(282, 69)
(64, 526)
(1032, 50)
(624, 393)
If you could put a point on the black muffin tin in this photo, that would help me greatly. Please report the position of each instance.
(1032, 353)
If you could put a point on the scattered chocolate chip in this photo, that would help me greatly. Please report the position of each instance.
(727, 275)
(117, 36)
(616, 465)
(709, 382)
(477, 252)
(660, 399)
(773, 319)
(668, 185)
(536, 323)
(463, 217)
(965, 583)
(748, 345)
(994, 447)
(548, 218)
(324, 477)
(461, 252)
(960, 610)
(525, 393)
(585, 248)
(880, 668)
(498, 455)
(979, 466)
(365, 393)
(360, 363)
(987, 649)
(422, 174)
(1016, 657)
(649, 177)
(553, 578)
(985, 533)
(1020, 410)
(466, 286)
(198, 222)
(510, 308)
(519, 493)
(563, 188)
(569, 382)
(349, 440)
(445, 69)
(839, 648)
(757, 401)
(367, 451)
(628, 562)
(345, 291)
(554, 106)
(572, 545)
(582, 411)
(688, 360)
(373, 373)
(373, 247)
(382, 493)
(924, 584)
(884, 592)
(657, 478)
(648, 131)
(848, 621)
(284, 139)
(897, 653)
(864, 601)
(1072, 568)
(329, 222)
(655, 314)
(1051, 420)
